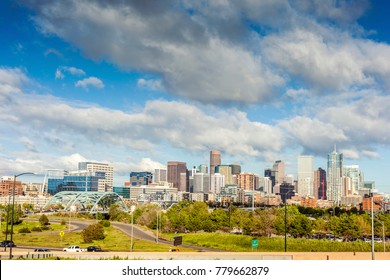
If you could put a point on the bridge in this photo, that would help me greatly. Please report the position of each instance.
(86, 202)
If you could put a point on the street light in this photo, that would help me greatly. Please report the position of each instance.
(285, 219)
(372, 227)
(13, 206)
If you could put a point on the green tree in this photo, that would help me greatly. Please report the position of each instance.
(93, 232)
(44, 220)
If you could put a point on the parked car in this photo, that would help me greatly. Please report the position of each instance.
(41, 250)
(7, 243)
(73, 248)
(94, 249)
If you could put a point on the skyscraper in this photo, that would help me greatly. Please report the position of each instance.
(215, 159)
(279, 174)
(305, 175)
(320, 184)
(175, 175)
(160, 175)
(353, 172)
(334, 177)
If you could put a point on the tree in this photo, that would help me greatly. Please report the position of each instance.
(93, 232)
(44, 220)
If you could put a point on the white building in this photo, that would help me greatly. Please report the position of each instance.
(106, 184)
(306, 175)
(217, 182)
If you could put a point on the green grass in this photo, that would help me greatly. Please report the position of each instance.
(115, 239)
(243, 243)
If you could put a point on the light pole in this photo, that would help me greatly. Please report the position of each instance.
(285, 219)
(13, 206)
(372, 227)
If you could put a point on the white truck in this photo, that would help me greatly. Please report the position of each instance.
(74, 248)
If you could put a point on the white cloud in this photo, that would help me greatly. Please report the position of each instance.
(150, 84)
(90, 81)
(74, 71)
(59, 74)
(11, 81)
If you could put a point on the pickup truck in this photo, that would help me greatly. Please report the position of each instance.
(73, 248)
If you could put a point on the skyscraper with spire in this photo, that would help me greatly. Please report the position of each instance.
(334, 176)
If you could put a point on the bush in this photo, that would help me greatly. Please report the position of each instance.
(45, 227)
(24, 230)
(105, 223)
(63, 222)
(36, 229)
(93, 232)
(44, 220)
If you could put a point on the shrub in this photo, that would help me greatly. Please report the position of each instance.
(44, 220)
(93, 232)
(63, 222)
(45, 227)
(24, 230)
(105, 223)
(36, 229)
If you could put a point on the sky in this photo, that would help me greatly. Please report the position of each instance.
(136, 84)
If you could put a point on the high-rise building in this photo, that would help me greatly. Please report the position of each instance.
(225, 170)
(201, 183)
(215, 159)
(236, 169)
(175, 175)
(142, 178)
(320, 184)
(106, 183)
(278, 173)
(217, 183)
(305, 175)
(247, 181)
(160, 175)
(334, 177)
(265, 185)
(353, 172)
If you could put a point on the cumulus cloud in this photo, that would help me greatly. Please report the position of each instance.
(88, 82)
(150, 84)
(71, 70)
(196, 129)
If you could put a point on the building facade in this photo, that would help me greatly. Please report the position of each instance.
(140, 178)
(177, 175)
(334, 177)
(306, 175)
(105, 184)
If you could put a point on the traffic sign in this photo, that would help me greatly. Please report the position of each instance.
(255, 243)
(62, 233)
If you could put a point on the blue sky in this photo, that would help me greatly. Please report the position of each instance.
(138, 83)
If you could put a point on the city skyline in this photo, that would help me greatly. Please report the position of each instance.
(135, 85)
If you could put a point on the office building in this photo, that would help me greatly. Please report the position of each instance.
(247, 181)
(78, 181)
(143, 178)
(320, 184)
(215, 159)
(160, 175)
(353, 172)
(225, 170)
(334, 177)
(107, 181)
(306, 175)
(177, 175)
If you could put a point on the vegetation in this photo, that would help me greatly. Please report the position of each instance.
(93, 232)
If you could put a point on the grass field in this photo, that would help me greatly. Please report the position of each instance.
(117, 241)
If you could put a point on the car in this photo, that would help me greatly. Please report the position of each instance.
(94, 249)
(41, 250)
(73, 248)
(7, 243)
